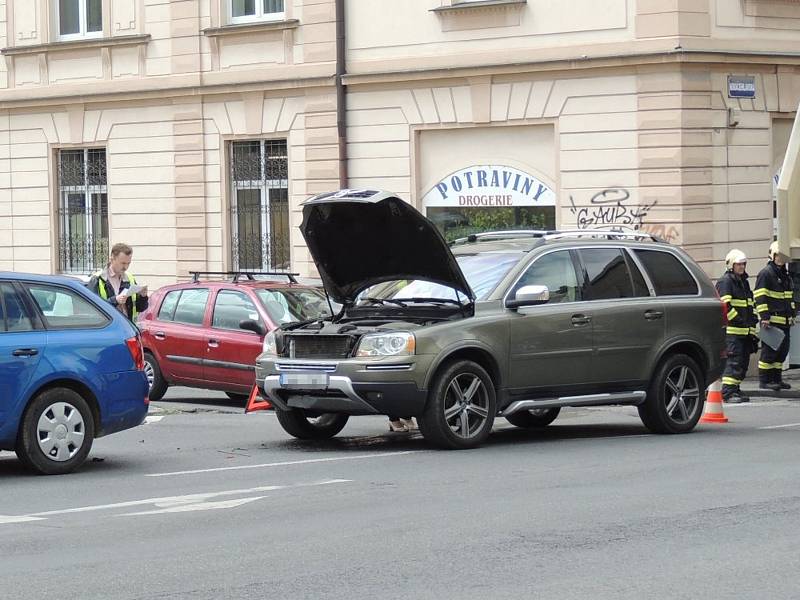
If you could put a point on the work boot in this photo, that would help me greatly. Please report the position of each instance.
(743, 395)
(734, 399)
(784, 385)
(770, 385)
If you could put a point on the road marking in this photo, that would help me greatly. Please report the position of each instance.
(186, 500)
(285, 463)
(152, 419)
(222, 504)
(781, 426)
(5, 519)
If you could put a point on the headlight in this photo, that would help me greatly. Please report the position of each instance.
(270, 346)
(400, 343)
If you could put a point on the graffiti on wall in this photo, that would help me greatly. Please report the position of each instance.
(611, 207)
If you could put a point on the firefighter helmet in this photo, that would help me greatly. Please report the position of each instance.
(734, 257)
(773, 249)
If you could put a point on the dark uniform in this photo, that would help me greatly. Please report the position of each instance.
(775, 303)
(734, 291)
(101, 286)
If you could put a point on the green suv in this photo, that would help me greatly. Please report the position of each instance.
(511, 324)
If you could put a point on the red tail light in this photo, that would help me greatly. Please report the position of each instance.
(137, 354)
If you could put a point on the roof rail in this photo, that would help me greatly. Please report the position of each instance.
(503, 235)
(611, 234)
(235, 275)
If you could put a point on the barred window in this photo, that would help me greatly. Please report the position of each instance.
(243, 11)
(260, 205)
(82, 210)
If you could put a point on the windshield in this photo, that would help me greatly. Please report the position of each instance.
(285, 305)
(482, 271)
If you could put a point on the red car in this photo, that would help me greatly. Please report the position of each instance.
(207, 334)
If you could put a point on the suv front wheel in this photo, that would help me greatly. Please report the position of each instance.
(675, 398)
(461, 407)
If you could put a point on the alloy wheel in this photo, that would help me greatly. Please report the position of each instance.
(60, 431)
(682, 394)
(466, 405)
(150, 373)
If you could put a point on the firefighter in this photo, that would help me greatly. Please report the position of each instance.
(741, 340)
(775, 306)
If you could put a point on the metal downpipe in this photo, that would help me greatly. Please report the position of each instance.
(341, 93)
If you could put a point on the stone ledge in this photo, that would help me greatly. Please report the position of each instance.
(251, 27)
(460, 7)
(122, 40)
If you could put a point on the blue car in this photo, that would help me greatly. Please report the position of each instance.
(71, 370)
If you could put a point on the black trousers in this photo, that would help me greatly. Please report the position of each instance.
(770, 364)
(739, 350)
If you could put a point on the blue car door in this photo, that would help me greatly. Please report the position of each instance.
(21, 346)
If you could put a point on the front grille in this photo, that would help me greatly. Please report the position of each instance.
(317, 346)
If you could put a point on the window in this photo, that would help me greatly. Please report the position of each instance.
(556, 271)
(231, 308)
(606, 273)
(669, 276)
(244, 11)
(287, 305)
(260, 205)
(15, 317)
(82, 210)
(79, 18)
(184, 306)
(64, 309)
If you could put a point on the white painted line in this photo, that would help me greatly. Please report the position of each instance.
(222, 504)
(4, 519)
(781, 426)
(152, 419)
(189, 499)
(285, 463)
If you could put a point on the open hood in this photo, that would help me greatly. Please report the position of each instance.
(359, 238)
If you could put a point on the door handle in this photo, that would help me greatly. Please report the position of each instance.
(653, 315)
(160, 335)
(25, 352)
(578, 320)
(213, 343)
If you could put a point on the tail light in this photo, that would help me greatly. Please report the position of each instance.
(137, 353)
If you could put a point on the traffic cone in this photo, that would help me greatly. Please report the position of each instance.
(713, 412)
(256, 402)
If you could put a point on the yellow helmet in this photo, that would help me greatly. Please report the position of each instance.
(733, 257)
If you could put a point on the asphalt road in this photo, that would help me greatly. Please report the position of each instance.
(206, 502)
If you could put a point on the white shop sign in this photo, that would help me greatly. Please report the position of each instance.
(489, 186)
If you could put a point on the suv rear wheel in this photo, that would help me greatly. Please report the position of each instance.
(535, 417)
(675, 398)
(302, 425)
(461, 407)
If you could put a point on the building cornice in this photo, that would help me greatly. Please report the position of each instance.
(256, 27)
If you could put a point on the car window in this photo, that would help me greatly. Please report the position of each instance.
(668, 274)
(16, 317)
(231, 308)
(556, 271)
(63, 308)
(167, 310)
(191, 306)
(284, 305)
(607, 274)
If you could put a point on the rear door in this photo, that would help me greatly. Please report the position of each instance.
(550, 344)
(21, 347)
(179, 334)
(232, 351)
(628, 323)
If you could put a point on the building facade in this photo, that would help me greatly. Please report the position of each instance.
(193, 129)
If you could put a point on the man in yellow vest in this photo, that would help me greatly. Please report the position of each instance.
(118, 287)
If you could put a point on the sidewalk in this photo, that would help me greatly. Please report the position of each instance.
(791, 376)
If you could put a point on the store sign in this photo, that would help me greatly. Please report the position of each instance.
(741, 87)
(489, 186)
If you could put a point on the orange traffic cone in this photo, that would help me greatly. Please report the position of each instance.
(713, 412)
(256, 402)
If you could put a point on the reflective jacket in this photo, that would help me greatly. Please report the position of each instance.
(101, 286)
(735, 292)
(774, 295)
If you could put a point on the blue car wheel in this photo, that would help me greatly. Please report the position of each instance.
(57, 432)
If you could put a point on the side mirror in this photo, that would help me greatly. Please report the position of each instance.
(530, 295)
(254, 326)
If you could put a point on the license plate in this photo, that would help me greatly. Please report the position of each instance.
(304, 381)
